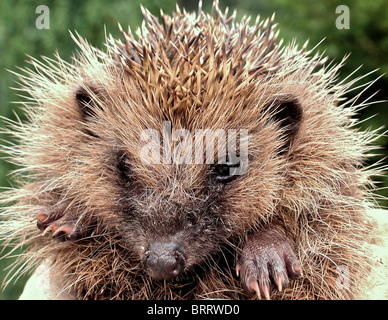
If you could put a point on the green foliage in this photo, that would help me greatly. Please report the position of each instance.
(366, 40)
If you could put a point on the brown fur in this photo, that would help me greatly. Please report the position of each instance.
(197, 71)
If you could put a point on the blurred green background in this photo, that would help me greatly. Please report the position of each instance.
(366, 40)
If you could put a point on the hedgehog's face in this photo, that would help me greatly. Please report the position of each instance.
(173, 217)
(174, 212)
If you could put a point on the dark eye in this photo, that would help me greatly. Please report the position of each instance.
(225, 172)
(124, 167)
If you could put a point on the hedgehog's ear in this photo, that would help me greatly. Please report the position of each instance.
(86, 101)
(287, 111)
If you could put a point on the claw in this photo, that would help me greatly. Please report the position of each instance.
(51, 227)
(46, 216)
(266, 291)
(66, 229)
(297, 270)
(278, 282)
(51, 220)
(39, 215)
(254, 286)
(238, 268)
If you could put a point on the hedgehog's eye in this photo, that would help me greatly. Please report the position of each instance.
(225, 172)
(124, 167)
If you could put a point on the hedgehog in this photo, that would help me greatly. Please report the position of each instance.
(104, 196)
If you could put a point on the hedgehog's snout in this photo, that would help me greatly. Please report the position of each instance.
(164, 260)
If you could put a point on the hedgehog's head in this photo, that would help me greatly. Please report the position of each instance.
(180, 190)
(173, 143)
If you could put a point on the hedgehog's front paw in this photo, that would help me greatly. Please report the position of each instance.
(50, 220)
(267, 258)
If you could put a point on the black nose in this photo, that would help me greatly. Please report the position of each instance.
(164, 260)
